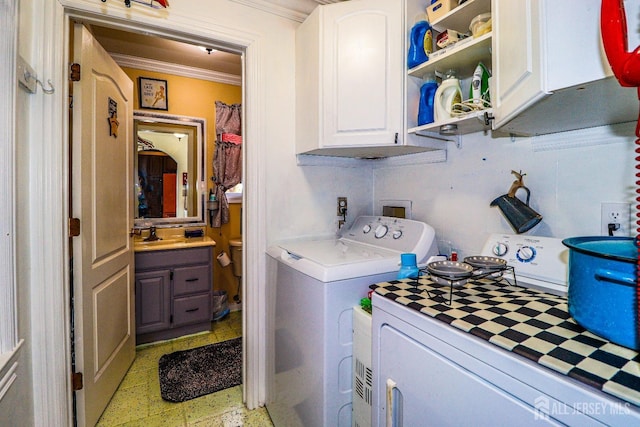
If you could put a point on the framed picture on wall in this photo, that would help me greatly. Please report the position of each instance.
(153, 93)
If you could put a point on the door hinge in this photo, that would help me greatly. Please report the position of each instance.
(171, 318)
(74, 72)
(171, 275)
(76, 381)
(74, 227)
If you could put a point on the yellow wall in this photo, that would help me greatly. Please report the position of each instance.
(196, 98)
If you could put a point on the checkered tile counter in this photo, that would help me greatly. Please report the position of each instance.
(527, 322)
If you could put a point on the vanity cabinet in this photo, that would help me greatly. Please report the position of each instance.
(349, 80)
(173, 293)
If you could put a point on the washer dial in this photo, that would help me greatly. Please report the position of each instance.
(366, 229)
(381, 231)
(397, 234)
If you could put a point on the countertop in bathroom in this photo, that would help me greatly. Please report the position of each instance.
(172, 242)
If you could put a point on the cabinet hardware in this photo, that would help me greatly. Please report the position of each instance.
(396, 138)
(192, 280)
(191, 310)
(488, 118)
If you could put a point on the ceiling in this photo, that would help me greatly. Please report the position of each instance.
(139, 45)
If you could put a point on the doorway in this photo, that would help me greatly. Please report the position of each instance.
(137, 65)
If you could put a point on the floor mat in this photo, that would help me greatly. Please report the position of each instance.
(188, 374)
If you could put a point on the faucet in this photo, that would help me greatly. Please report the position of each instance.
(152, 235)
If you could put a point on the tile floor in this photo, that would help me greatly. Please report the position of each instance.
(137, 401)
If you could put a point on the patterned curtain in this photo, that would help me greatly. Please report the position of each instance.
(227, 161)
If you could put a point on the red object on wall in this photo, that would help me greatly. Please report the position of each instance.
(626, 67)
(168, 195)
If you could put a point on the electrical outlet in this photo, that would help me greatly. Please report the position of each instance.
(616, 214)
(342, 206)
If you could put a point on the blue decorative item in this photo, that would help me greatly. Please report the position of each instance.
(409, 267)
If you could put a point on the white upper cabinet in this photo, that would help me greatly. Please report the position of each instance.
(550, 71)
(350, 80)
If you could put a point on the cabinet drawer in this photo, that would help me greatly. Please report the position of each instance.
(191, 280)
(192, 309)
(173, 257)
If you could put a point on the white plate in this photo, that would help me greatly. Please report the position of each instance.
(487, 263)
(450, 269)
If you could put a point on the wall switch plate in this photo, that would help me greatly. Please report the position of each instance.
(617, 214)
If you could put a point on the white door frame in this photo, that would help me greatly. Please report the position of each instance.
(49, 188)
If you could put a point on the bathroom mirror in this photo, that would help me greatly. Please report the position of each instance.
(169, 168)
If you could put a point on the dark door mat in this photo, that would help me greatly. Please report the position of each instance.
(188, 374)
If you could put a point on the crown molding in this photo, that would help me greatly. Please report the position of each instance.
(275, 9)
(175, 69)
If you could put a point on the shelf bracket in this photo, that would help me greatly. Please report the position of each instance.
(456, 139)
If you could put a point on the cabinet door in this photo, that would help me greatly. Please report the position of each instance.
(517, 62)
(153, 305)
(433, 391)
(362, 73)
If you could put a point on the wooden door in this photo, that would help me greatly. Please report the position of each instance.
(102, 198)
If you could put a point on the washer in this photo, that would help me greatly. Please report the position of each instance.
(317, 283)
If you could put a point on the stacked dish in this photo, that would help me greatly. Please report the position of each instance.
(456, 273)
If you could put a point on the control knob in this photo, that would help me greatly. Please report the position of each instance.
(366, 229)
(526, 254)
(397, 234)
(381, 231)
(500, 249)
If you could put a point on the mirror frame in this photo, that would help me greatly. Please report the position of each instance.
(200, 125)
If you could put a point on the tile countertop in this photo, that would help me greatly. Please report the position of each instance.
(532, 324)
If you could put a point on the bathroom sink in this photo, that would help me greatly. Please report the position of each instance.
(172, 242)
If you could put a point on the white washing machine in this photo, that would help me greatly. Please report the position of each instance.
(317, 282)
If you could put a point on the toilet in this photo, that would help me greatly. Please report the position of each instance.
(235, 247)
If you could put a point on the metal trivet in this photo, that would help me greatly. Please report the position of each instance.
(495, 276)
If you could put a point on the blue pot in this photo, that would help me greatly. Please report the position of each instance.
(602, 287)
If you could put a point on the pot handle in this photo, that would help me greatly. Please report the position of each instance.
(615, 277)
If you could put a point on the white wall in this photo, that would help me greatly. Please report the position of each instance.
(16, 407)
(567, 175)
(297, 200)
